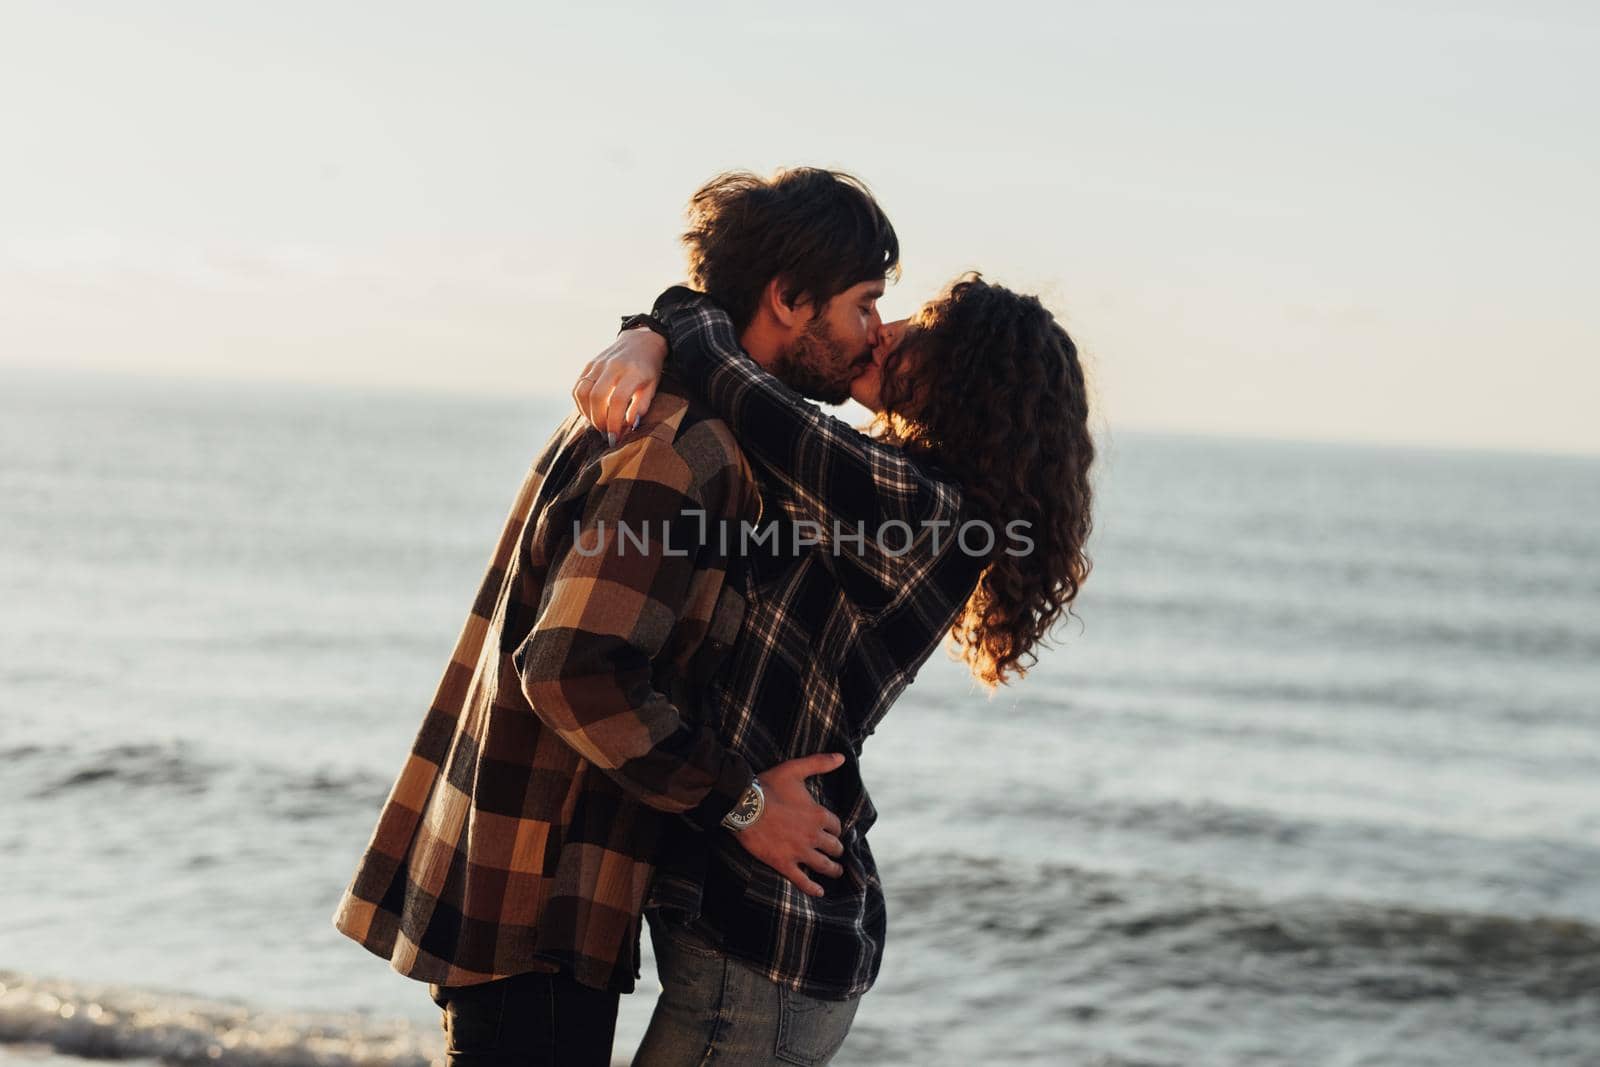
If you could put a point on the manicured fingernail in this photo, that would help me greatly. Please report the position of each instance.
(636, 419)
(611, 440)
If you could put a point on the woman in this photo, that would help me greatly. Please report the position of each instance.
(978, 459)
(981, 384)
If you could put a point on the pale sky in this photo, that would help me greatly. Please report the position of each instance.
(1368, 221)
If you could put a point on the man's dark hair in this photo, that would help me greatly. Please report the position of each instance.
(820, 229)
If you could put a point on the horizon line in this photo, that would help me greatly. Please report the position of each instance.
(201, 379)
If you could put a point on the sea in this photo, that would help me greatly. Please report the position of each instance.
(1311, 776)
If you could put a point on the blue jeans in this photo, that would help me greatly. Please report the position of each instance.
(717, 1011)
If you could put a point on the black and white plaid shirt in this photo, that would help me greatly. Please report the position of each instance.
(831, 636)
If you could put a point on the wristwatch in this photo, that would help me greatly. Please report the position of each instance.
(749, 808)
(647, 320)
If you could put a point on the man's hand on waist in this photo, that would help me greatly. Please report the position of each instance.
(794, 832)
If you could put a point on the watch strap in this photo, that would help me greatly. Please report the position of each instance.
(647, 320)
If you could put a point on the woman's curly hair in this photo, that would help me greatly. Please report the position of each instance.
(988, 386)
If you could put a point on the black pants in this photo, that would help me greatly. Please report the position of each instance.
(527, 1020)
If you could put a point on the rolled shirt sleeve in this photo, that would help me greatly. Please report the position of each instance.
(849, 482)
(612, 601)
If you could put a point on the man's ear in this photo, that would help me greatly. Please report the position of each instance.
(791, 316)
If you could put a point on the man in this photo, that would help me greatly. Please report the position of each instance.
(756, 968)
(571, 743)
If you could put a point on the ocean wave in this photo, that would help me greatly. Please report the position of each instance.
(1187, 821)
(1336, 946)
(138, 765)
(111, 1022)
(178, 767)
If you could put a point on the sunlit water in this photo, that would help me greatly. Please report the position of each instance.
(1316, 780)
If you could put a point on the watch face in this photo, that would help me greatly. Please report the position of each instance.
(744, 813)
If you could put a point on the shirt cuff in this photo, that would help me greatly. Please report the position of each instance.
(732, 780)
(674, 297)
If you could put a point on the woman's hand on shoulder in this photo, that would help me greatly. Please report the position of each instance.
(616, 387)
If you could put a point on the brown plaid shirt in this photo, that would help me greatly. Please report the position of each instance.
(522, 831)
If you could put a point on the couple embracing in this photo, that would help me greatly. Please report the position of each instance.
(707, 594)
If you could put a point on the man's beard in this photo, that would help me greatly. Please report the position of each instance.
(819, 366)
